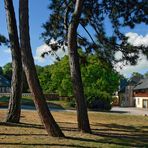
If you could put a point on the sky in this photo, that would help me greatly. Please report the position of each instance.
(39, 14)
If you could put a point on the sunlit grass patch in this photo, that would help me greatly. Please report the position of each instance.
(108, 130)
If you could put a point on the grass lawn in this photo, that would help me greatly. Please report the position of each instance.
(109, 130)
(56, 104)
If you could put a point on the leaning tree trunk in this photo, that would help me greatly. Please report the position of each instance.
(14, 108)
(29, 67)
(82, 116)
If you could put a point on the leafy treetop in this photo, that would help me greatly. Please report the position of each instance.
(120, 13)
(3, 40)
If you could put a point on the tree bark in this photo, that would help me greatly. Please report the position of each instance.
(82, 115)
(14, 108)
(29, 67)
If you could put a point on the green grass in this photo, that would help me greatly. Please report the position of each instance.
(4, 99)
(63, 104)
(56, 104)
(25, 101)
(108, 131)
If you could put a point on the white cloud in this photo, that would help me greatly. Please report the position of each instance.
(39, 51)
(128, 69)
(50, 58)
(135, 40)
(118, 55)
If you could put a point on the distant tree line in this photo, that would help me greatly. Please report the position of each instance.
(99, 82)
(6, 71)
(139, 75)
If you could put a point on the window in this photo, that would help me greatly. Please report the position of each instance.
(145, 103)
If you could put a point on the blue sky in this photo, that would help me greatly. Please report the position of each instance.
(38, 15)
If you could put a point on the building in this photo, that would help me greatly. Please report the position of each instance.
(141, 94)
(4, 85)
(125, 93)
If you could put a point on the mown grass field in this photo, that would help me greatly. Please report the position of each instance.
(55, 104)
(108, 130)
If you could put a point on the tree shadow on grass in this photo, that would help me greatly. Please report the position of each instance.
(113, 134)
(25, 125)
(123, 135)
(22, 134)
(39, 126)
(68, 126)
(117, 134)
(120, 135)
(49, 145)
(55, 106)
(118, 127)
(26, 101)
(29, 102)
(110, 140)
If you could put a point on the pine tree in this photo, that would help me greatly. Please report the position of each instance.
(46, 117)
(122, 13)
(14, 109)
(65, 18)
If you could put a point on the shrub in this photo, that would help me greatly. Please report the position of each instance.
(72, 103)
(99, 101)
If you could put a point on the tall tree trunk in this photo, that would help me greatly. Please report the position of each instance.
(14, 108)
(29, 67)
(82, 115)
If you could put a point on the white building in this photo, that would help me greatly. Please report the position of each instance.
(141, 94)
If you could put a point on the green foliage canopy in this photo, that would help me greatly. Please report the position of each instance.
(96, 78)
(122, 13)
(3, 40)
(7, 70)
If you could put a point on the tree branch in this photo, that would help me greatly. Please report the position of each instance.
(88, 33)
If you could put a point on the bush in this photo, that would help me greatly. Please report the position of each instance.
(72, 103)
(99, 101)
